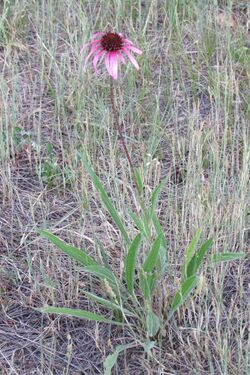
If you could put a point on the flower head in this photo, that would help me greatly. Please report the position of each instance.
(112, 47)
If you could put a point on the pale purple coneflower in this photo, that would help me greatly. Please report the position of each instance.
(112, 47)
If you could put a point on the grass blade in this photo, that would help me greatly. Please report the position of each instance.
(130, 263)
(77, 313)
(75, 253)
(105, 199)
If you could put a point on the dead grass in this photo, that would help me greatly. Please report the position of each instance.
(186, 114)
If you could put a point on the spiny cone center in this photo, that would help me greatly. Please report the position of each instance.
(111, 42)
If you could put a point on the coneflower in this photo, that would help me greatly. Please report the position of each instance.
(112, 47)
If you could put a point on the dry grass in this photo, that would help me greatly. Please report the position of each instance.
(186, 116)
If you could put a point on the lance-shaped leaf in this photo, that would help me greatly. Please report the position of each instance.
(163, 253)
(226, 257)
(152, 323)
(107, 303)
(156, 193)
(185, 290)
(105, 199)
(139, 223)
(196, 260)
(103, 274)
(75, 253)
(77, 313)
(146, 282)
(152, 257)
(130, 263)
(190, 252)
(138, 180)
(111, 360)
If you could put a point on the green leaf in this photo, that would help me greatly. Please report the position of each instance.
(138, 180)
(147, 277)
(152, 323)
(152, 257)
(145, 284)
(77, 313)
(72, 251)
(148, 346)
(159, 229)
(106, 303)
(111, 359)
(103, 254)
(105, 199)
(156, 193)
(185, 290)
(196, 260)
(138, 222)
(190, 252)
(163, 255)
(226, 257)
(130, 263)
(103, 274)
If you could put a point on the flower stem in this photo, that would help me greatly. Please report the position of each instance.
(119, 129)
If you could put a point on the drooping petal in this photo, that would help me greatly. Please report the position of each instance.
(127, 41)
(95, 60)
(91, 41)
(131, 57)
(107, 62)
(113, 63)
(96, 41)
(93, 50)
(134, 49)
(96, 34)
(120, 55)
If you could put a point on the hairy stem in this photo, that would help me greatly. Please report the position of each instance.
(119, 129)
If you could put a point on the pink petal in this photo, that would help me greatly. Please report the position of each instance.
(127, 41)
(95, 60)
(96, 34)
(113, 63)
(131, 58)
(107, 56)
(93, 43)
(134, 49)
(89, 56)
(121, 57)
(96, 41)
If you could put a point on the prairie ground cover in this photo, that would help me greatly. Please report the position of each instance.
(185, 116)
